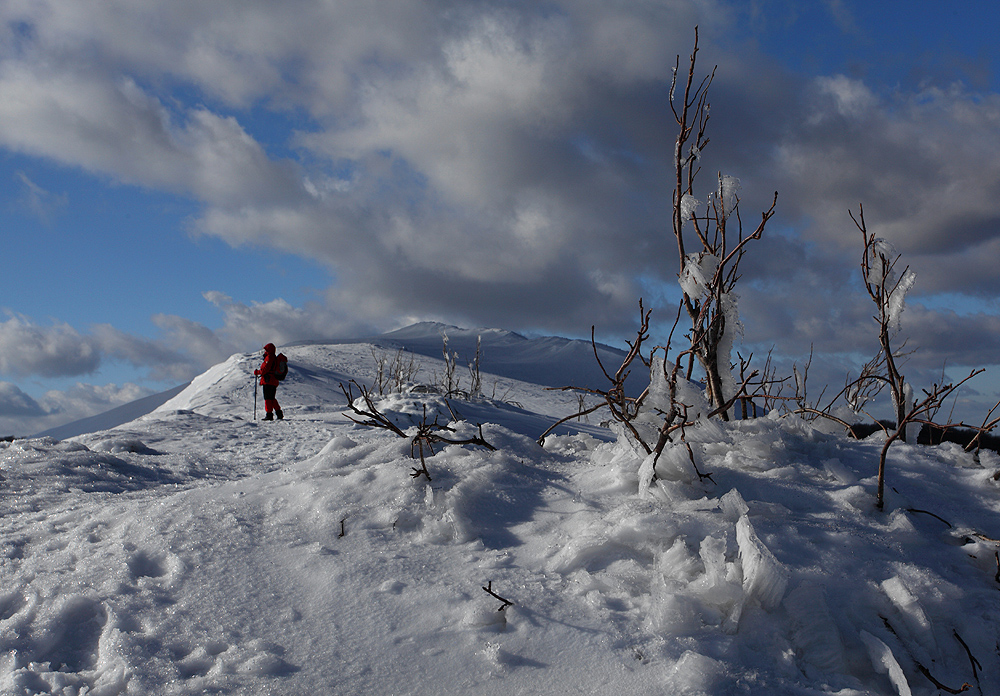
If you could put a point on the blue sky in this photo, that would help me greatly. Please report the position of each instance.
(888, 43)
(185, 180)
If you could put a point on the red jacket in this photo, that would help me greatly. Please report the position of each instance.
(267, 368)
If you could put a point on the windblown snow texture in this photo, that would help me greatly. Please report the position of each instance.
(194, 550)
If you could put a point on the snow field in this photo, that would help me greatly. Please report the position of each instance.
(197, 551)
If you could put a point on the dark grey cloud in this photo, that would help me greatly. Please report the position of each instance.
(499, 164)
(931, 335)
(14, 402)
(921, 163)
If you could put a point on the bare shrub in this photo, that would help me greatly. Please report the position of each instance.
(623, 407)
(887, 288)
(710, 244)
(427, 434)
(393, 374)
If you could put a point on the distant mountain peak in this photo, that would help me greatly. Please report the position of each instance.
(436, 329)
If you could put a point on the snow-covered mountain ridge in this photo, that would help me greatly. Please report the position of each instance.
(195, 550)
(548, 360)
(551, 361)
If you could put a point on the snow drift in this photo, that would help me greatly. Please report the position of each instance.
(195, 550)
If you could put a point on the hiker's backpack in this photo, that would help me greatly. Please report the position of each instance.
(281, 366)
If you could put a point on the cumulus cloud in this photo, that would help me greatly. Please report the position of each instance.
(278, 322)
(22, 416)
(28, 349)
(491, 163)
(14, 402)
(110, 125)
(923, 165)
(55, 351)
(183, 349)
(163, 358)
(90, 398)
(471, 144)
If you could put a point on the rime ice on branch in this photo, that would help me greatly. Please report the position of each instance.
(708, 275)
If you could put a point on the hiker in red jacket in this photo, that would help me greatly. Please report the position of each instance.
(269, 381)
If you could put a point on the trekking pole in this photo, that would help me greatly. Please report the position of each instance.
(255, 397)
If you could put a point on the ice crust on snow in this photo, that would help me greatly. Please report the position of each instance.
(197, 551)
(885, 662)
(814, 629)
(764, 578)
(733, 506)
(914, 623)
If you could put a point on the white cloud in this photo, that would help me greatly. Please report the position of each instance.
(851, 98)
(163, 359)
(278, 322)
(90, 398)
(21, 415)
(184, 349)
(111, 126)
(98, 125)
(55, 351)
(492, 164)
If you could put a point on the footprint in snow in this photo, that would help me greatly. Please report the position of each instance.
(70, 641)
(143, 565)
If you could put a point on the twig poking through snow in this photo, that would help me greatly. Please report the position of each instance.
(427, 433)
(489, 590)
(926, 672)
(925, 512)
(976, 665)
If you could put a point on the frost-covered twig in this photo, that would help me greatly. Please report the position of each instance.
(887, 289)
(476, 377)
(709, 274)
(392, 374)
(451, 383)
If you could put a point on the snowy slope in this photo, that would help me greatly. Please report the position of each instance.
(196, 550)
(548, 360)
(551, 361)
